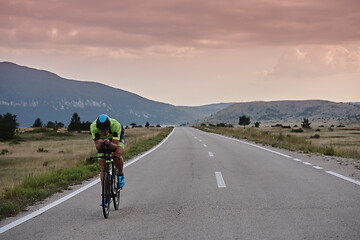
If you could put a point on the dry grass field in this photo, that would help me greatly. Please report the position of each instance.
(38, 152)
(340, 142)
(343, 139)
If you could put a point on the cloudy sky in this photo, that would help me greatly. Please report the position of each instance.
(192, 52)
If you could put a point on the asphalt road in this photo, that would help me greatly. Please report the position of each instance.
(198, 185)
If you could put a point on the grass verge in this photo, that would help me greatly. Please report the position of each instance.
(39, 187)
(281, 140)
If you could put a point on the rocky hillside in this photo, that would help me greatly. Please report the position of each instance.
(317, 111)
(31, 93)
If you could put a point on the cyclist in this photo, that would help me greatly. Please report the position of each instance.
(109, 132)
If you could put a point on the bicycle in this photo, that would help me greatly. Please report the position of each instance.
(109, 185)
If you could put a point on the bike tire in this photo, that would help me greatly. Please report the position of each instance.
(106, 193)
(116, 191)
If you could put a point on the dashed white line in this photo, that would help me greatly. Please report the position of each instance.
(317, 167)
(287, 156)
(307, 163)
(211, 154)
(220, 180)
(205, 145)
(343, 177)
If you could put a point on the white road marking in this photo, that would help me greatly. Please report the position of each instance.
(63, 199)
(281, 154)
(307, 163)
(317, 167)
(220, 180)
(284, 155)
(205, 145)
(211, 154)
(343, 177)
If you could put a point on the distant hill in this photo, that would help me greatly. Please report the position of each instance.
(31, 93)
(317, 111)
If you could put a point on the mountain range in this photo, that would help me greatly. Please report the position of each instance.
(30, 93)
(289, 112)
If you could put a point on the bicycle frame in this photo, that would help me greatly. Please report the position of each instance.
(109, 191)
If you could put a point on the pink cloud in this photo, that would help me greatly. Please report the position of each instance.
(142, 25)
(316, 61)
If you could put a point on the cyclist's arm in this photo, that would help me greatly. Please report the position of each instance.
(122, 135)
(114, 144)
(99, 143)
(117, 134)
(96, 137)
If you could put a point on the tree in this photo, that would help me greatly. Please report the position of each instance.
(147, 124)
(54, 125)
(257, 124)
(306, 123)
(50, 124)
(59, 124)
(133, 125)
(8, 125)
(38, 123)
(85, 126)
(75, 123)
(244, 120)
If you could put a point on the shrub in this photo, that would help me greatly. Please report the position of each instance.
(4, 151)
(40, 130)
(297, 130)
(329, 151)
(315, 136)
(42, 150)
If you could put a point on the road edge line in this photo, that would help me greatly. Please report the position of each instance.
(70, 195)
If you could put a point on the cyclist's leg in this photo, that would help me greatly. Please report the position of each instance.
(118, 161)
(102, 163)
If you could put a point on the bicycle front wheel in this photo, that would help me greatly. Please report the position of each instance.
(106, 195)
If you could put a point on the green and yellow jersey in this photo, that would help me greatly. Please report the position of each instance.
(116, 132)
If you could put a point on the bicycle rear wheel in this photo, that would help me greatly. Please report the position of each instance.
(116, 191)
(106, 195)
